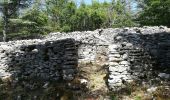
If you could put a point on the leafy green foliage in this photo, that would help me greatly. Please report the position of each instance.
(156, 12)
(63, 16)
(68, 17)
(9, 9)
(36, 22)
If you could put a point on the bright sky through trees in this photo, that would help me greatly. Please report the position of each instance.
(89, 1)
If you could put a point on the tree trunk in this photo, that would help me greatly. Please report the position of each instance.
(5, 29)
(4, 35)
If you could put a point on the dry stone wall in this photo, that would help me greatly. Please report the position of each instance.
(34, 64)
(141, 54)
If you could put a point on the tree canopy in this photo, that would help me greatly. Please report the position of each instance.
(155, 12)
(25, 18)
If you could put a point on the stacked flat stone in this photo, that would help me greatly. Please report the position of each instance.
(138, 54)
(4, 49)
(43, 61)
(87, 53)
(70, 60)
(118, 67)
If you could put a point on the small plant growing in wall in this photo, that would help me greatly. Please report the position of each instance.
(138, 98)
(113, 97)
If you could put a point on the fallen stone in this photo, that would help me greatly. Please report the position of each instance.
(152, 89)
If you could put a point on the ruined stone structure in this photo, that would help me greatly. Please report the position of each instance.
(141, 54)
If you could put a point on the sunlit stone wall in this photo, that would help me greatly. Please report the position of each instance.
(141, 54)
